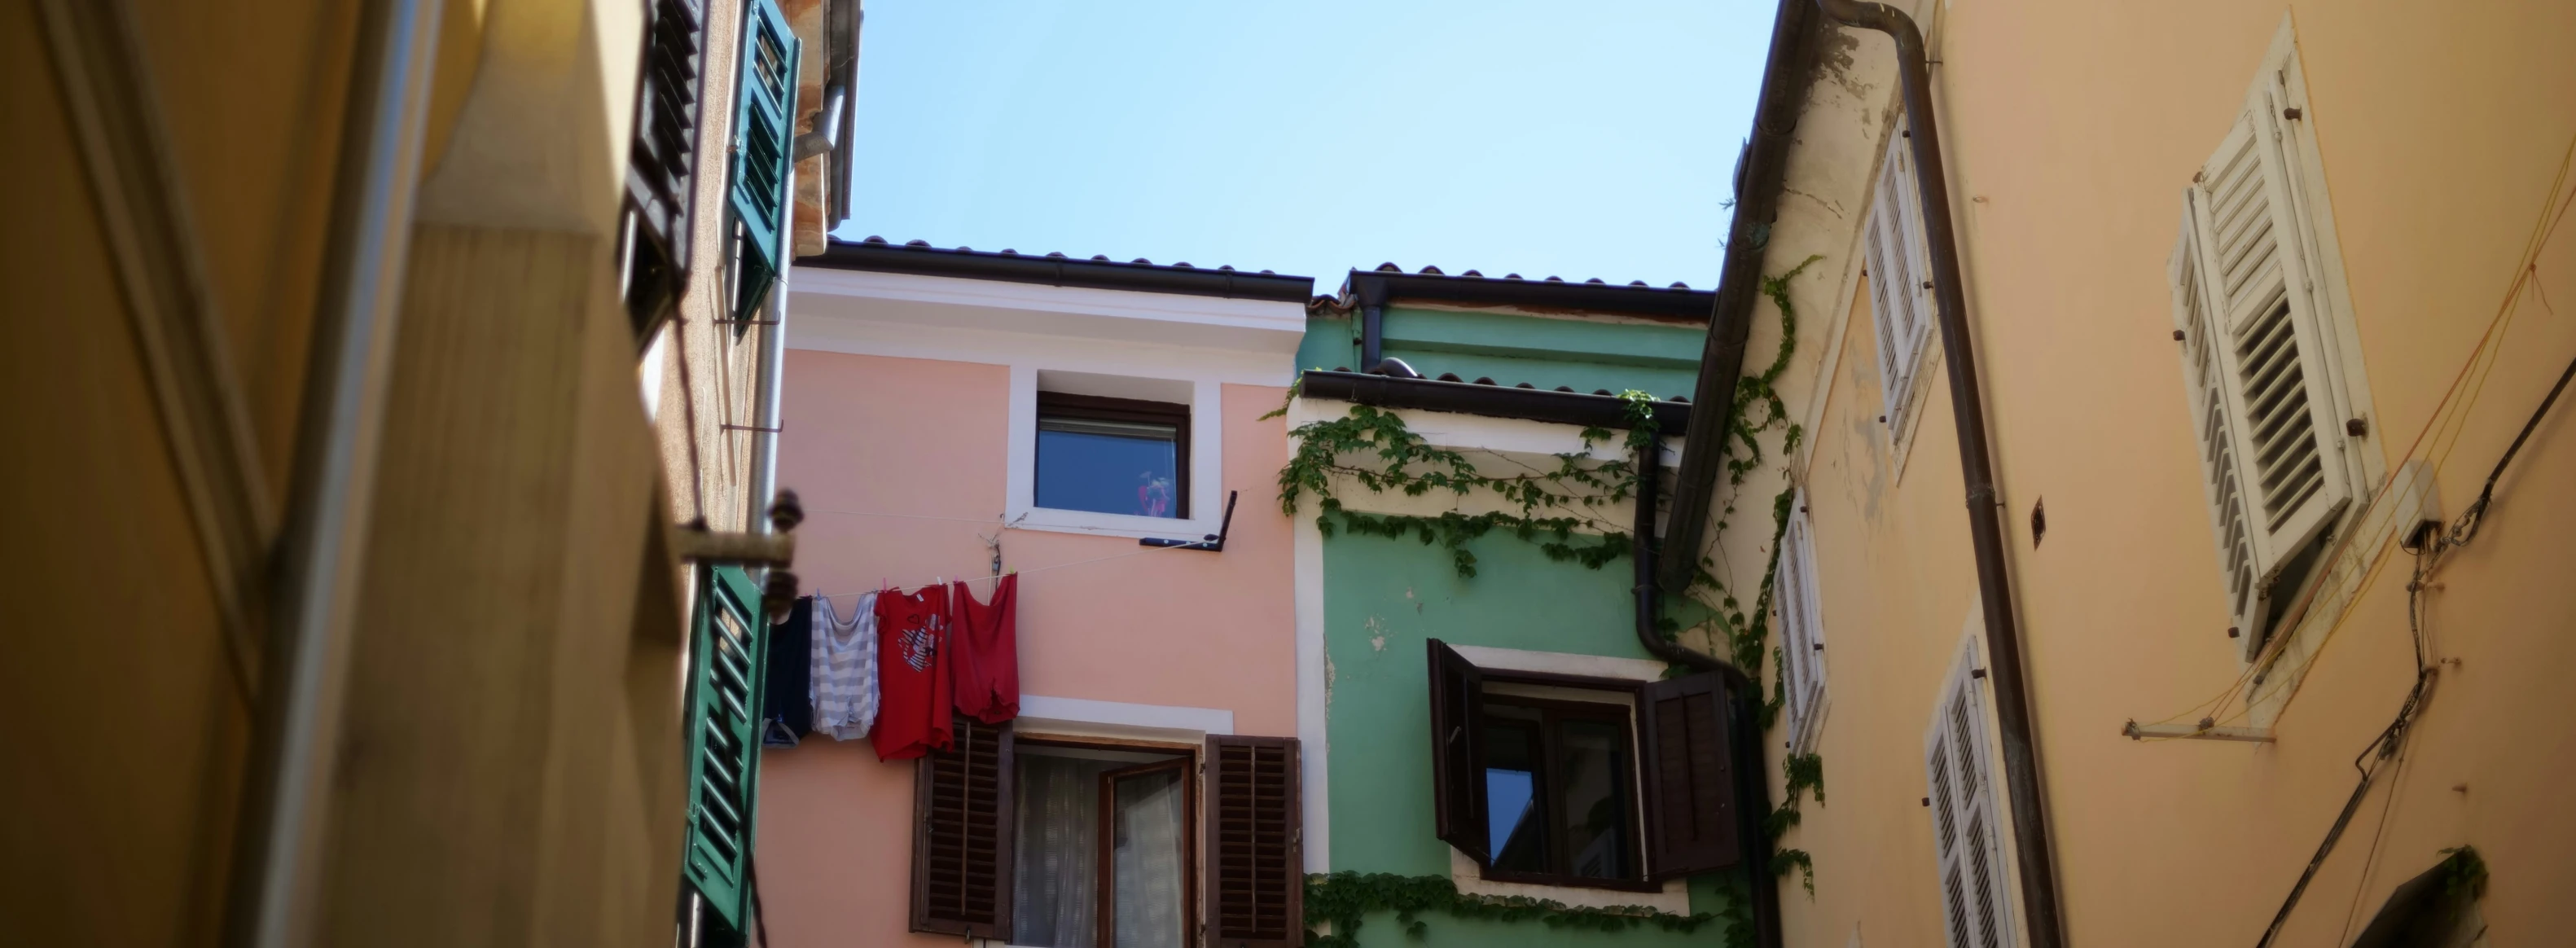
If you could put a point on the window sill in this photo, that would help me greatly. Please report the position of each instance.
(1110, 525)
(1671, 896)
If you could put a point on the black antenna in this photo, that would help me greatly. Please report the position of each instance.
(1214, 543)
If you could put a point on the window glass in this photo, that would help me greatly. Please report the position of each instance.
(1514, 813)
(1145, 855)
(1560, 790)
(1117, 467)
(1055, 889)
(1592, 761)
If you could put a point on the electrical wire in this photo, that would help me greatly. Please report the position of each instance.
(2442, 429)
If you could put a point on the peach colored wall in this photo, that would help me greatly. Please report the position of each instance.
(926, 438)
(2071, 130)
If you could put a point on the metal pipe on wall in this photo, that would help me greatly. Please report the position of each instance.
(278, 859)
(2031, 845)
(1744, 737)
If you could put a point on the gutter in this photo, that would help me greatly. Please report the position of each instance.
(1493, 401)
(1976, 467)
(874, 254)
(1758, 176)
(1757, 199)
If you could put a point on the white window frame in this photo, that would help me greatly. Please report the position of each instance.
(1207, 447)
(2289, 175)
(1897, 259)
(1798, 607)
(1967, 832)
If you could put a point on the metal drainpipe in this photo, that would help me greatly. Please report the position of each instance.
(278, 863)
(773, 363)
(1744, 737)
(1976, 467)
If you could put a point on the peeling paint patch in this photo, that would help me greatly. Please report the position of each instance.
(1377, 632)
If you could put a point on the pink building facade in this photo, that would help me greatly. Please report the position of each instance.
(916, 386)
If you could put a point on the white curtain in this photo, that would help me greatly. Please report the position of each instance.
(1055, 893)
(1147, 860)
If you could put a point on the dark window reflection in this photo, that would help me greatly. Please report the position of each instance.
(1117, 467)
(1514, 813)
(1560, 790)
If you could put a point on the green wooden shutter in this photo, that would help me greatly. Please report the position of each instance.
(727, 646)
(763, 127)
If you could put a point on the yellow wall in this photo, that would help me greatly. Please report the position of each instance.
(2071, 130)
(127, 722)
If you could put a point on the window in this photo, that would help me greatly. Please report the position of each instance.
(1545, 779)
(1102, 846)
(763, 125)
(1559, 786)
(1072, 844)
(2271, 392)
(1899, 263)
(662, 162)
(1113, 455)
(1802, 626)
(1959, 772)
(727, 653)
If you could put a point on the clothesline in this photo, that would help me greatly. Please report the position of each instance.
(1013, 524)
(1149, 550)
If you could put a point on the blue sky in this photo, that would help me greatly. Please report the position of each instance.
(1581, 140)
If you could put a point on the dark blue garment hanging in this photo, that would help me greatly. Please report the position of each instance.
(787, 703)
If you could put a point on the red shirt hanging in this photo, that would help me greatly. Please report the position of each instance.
(984, 652)
(912, 656)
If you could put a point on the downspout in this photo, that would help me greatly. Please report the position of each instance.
(764, 412)
(1744, 737)
(278, 862)
(1976, 468)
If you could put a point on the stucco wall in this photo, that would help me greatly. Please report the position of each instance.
(1382, 600)
(925, 438)
(2067, 192)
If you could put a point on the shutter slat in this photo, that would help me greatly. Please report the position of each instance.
(961, 834)
(764, 116)
(1254, 877)
(1689, 777)
(723, 762)
(2265, 390)
(1958, 767)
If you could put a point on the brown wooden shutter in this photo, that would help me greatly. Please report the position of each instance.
(961, 835)
(1458, 752)
(1690, 789)
(1256, 886)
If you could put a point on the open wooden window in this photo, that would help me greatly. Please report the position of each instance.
(2273, 398)
(1690, 778)
(1053, 842)
(1569, 780)
(764, 125)
(1113, 455)
(961, 835)
(1256, 881)
(727, 659)
(662, 162)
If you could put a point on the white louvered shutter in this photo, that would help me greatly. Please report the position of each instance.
(1802, 633)
(1976, 907)
(1899, 260)
(2230, 520)
(2261, 359)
